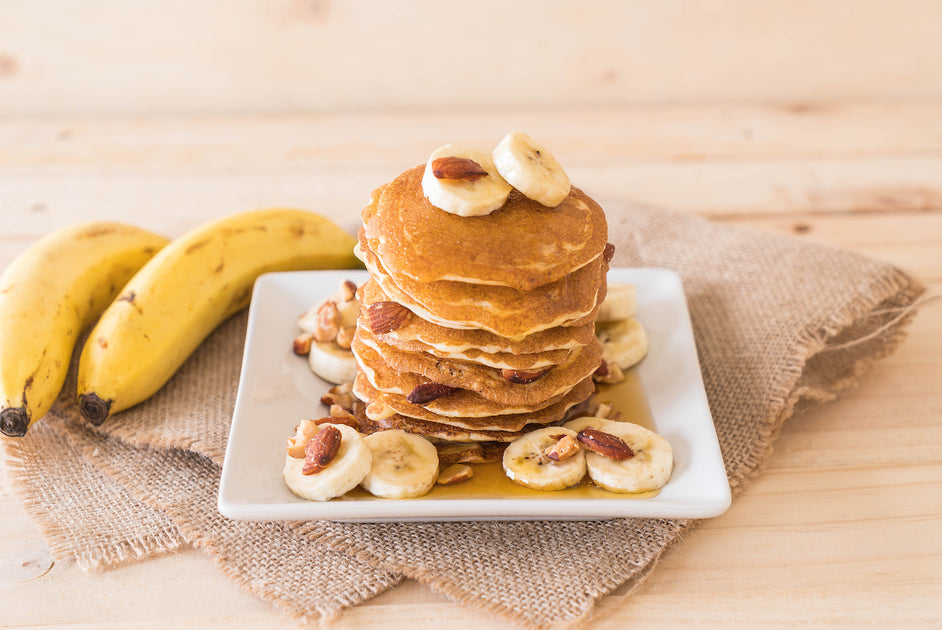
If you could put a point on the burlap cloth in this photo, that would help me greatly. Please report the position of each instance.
(778, 322)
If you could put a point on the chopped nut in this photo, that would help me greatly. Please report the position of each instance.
(470, 453)
(606, 444)
(343, 400)
(456, 473)
(611, 373)
(565, 447)
(345, 337)
(328, 322)
(337, 411)
(427, 392)
(302, 344)
(604, 410)
(458, 168)
(522, 377)
(384, 317)
(348, 290)
(608, 253)
(303, 432)
(321, 450)
(343, 417)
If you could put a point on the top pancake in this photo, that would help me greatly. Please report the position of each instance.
(522, 245)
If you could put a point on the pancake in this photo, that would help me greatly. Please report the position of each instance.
(446, 340)
(500, 360)
(488, 382)
(522, 245)
(363, 390)
(503, 311)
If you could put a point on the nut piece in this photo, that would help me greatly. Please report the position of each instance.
(458, 168)
(565, 447)
(345, 337)
(348, 290)
(609, 373)
(608, 253)
(339, 416)
(302, 344)
(456, 473)
(321, 450)
(611, 446)
(383, 317)
(339, 395)
(304, 432)
(427, 392)
(522, 377)
(327, 322)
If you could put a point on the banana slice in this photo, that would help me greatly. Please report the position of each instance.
(348, 468)
(531, 169)
(649, 468)
(620, 303)
(465, 197)
(624, 341)
(404, 465)
(331, 362)
(525, 461)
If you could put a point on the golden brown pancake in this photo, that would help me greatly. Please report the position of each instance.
(457, 340)
(504, 311)
(522, 245)
(505, 422)
(488, 382)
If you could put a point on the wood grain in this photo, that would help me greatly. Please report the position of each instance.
(840, 528)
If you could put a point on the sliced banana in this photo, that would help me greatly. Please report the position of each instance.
(348, 468)
(620, 302)
(531, 169)
(624, 341)
(332, 363)
(525, 461)
(650, 467)
(464, 197)
(404, 465)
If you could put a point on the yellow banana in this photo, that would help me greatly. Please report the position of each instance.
(193, 285)
(51, 293)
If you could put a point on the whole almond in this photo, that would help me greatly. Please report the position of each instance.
(321, 450)
(457, 168)
(611, 446)
(384, 317)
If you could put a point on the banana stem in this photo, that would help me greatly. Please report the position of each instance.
(93, 408)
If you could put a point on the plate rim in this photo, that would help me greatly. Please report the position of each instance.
(693, 505)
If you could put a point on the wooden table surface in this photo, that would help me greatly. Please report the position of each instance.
(843, 525)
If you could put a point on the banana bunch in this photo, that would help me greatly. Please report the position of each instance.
(49, 295)
(180, 296)
(154, 300)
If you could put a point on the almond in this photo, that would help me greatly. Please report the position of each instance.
(348, 290)
(327, 322)
(384, 317)
(608, 253)
(427, 392)
(611, 373)
(522, 377)
(321, 450)
(345, 337)
(611, 446)
(565, 447)
(339, 415)
(456, 473)
(302, 344)
(457, 168)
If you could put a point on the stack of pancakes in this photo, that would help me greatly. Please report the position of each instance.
(477, 328)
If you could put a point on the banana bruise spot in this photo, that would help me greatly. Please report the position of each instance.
(14, 421)
(93, 408)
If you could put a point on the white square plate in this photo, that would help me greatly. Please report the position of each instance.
(277, 390)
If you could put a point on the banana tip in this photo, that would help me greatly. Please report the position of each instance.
(93, 408)
(14, 421)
